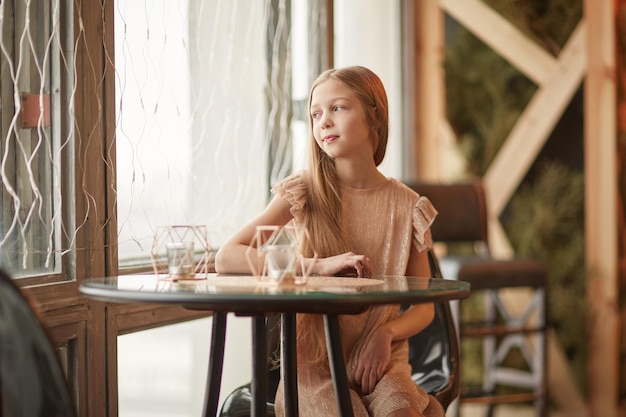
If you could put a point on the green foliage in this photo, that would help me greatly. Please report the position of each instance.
(485, 96)
(546, 222)
(548, 22)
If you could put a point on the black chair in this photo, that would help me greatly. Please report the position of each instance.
(31, 381)
(433, 354)
(462, 221)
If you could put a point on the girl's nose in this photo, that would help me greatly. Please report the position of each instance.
(325, 120)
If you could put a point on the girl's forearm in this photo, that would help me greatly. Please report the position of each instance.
(412, 321)
(231, 259)
(306, 265)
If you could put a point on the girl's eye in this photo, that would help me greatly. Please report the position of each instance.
(315, 115)
(337, 108)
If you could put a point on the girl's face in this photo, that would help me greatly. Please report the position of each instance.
(338, 119)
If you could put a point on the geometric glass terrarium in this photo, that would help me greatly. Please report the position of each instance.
(182, 252)
(278, 258)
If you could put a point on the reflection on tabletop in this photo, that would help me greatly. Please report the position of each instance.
(215, 284)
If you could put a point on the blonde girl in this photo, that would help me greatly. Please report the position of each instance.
(361, 223)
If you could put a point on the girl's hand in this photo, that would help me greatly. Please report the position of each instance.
(345, 264)
(374, 360)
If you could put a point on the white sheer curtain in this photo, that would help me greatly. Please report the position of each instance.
(192, 117)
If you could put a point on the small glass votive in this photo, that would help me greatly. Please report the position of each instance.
(180, 259)
(274, 255)
(281, 263)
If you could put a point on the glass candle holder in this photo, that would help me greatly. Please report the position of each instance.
(274, 255)
(280, 260)
(180, 262)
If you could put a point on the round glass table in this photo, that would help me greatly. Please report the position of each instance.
(252, 296)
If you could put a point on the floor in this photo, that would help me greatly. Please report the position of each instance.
(162, 372)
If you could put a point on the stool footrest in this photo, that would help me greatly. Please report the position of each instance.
(486, 398)
(482, 330)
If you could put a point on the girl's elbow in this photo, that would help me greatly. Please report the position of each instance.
(220, 262)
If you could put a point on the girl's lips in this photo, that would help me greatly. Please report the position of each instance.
(329, 138)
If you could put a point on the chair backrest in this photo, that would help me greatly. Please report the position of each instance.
(462, 210)
(434, 352)
(31, 381)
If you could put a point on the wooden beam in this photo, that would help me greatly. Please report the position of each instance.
(329, 36)
(499, 244)
(601, 209)
(428, 87)
(620, 58)
(503, 37)
(535, 125)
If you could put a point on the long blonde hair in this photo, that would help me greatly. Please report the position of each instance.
(322, 213)
(323, 210)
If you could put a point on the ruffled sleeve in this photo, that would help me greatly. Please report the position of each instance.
(293, 190)
(424, 214)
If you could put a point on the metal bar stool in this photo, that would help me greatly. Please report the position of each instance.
(463, 219)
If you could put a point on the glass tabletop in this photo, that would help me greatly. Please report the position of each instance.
(252, 295)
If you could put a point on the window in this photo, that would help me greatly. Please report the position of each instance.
(204, 100)
(210, 111)
(36, 82)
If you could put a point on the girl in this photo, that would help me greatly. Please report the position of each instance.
(361, 223)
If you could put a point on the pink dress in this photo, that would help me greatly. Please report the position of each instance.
(381, 223)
